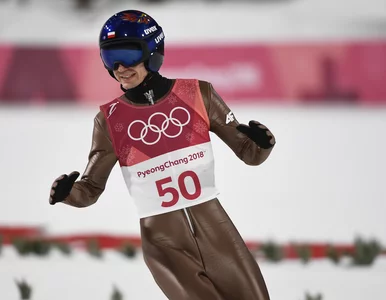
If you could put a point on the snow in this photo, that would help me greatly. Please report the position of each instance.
(81, 276)
(323, 182)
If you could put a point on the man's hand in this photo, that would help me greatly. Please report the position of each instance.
(62, 186)
(258, 133)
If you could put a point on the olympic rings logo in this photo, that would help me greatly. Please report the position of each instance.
(154, 128)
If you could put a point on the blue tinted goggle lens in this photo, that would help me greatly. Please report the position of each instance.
(126, 57)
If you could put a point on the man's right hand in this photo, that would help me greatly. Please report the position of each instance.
(62, 186)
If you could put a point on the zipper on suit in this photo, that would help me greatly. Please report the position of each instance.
(189, 220)
(150, 97)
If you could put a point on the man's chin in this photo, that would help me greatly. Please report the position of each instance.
(128, 86)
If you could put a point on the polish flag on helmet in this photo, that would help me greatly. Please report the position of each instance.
(111, 34)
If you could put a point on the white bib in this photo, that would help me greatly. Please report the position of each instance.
(172, 181)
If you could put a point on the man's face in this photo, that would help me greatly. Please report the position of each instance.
(132, 76)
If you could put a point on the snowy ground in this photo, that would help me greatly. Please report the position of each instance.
(81, 276)
(322, 183)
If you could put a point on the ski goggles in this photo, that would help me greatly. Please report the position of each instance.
(112, 58)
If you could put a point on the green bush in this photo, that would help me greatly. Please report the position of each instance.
(94, 249)
(62, 247)
(303, 252)
(365, 253)
(272, 251)
(22, 246)
(316, 297)
(333, 254)
(128, 250)
(25, 290)
(40, 247)
(117, 295)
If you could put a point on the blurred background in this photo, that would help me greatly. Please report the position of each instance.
(312, 71)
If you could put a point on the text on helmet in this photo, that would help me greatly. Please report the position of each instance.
(150, 30)
(159, 38)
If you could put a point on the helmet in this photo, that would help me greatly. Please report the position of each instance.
(130, 37)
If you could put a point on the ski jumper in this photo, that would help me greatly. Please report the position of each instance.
(189, 243)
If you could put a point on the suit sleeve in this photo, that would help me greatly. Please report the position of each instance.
(101, 161)
(223, 123)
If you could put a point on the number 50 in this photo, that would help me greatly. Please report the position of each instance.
(162, 191)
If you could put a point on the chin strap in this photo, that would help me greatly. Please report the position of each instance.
(123, 89)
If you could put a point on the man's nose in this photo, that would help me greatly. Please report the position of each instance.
(121, 68)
